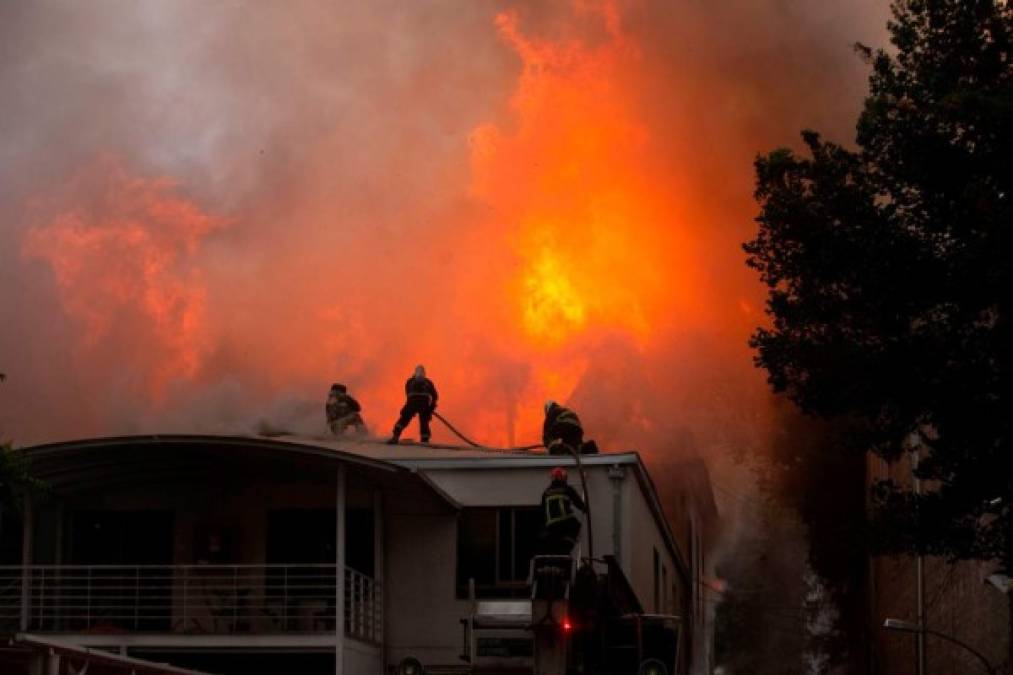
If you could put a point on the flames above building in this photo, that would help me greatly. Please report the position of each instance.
(530, 201)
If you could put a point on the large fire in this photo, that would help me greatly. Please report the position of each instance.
(120, 257)
(564, 253)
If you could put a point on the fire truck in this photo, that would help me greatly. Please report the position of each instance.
(580, 619)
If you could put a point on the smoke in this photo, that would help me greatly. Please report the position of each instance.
(210, 212)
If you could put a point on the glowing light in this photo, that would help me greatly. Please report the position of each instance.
(552, 307)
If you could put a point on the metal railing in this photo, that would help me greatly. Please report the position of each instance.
(194, 599)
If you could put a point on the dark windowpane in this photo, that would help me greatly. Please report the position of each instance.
(495, 547)
(657, 582)
(504, 548)
(476, 549)
(359, 543)
(301, 536)
(527, 524)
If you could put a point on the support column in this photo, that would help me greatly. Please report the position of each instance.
(27, 556)
(339, 574)
(378, 568)
(52, 663)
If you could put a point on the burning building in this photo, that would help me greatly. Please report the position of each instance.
(289, 554)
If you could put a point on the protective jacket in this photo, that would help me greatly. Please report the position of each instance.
(562, 424)
(339, 405)
(419, 389)
(421, 397)
(558, 502)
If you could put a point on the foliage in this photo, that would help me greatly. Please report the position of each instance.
(888, 274)
(15, 477)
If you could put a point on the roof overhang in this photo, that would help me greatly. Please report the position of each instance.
(101, 463)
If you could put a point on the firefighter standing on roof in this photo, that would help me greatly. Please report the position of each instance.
(343, 411)
(421, 397)
(562, 528)
(561, 432)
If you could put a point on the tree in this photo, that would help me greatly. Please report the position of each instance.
(888, 272)
(15, 477)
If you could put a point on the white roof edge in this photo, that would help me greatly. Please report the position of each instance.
(514, 461)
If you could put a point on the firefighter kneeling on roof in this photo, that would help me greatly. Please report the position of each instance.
(562, 433)
(343, 411)
(562, 528)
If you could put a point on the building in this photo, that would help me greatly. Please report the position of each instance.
(267, 555)
(958, 600)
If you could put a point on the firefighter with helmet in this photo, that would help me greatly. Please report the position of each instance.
(343, 411)
(420, 399)
(562, 433)
(562, 528)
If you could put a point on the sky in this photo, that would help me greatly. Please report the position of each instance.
(209, 212)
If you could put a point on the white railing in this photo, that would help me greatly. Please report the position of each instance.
(198, 599)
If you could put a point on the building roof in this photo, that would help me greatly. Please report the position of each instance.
(99, 463)
(80, 464)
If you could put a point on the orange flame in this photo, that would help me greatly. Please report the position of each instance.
(590, 222)
(124, 267)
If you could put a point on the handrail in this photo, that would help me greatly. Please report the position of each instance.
(204, 599)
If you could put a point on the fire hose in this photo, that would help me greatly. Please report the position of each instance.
(454, 430)
(528, 448)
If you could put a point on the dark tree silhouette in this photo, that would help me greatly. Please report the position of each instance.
(888, 269)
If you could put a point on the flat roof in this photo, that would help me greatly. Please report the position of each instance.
(376, 455)
(441, 456)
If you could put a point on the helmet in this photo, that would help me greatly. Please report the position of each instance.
(420, 371)
(339, 387)
(549, 405)
(559, 474)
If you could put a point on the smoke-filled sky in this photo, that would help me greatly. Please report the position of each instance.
(209, 211)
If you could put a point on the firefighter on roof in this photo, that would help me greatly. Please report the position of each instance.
(343, 411)
(562, 528)
(561, 432)
(420, 399)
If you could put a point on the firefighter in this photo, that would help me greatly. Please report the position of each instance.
(561, 432)
(420, 399)
(343, 411)
(561, 528)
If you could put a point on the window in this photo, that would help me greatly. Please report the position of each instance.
(657, 582)
(495, 547)
(664, 591)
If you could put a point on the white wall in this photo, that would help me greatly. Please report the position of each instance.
(420, 608)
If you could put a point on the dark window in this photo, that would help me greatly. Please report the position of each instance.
(119, 538)
(122, 538)
(307, 536)
(495, 547)
(10, 537)
(657, 582)
(301, 536)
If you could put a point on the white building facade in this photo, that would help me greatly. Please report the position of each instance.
(271, 555)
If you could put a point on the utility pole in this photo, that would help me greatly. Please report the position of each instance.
(919, 569)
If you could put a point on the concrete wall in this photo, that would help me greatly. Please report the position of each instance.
(420, 607)
(362, 659)
(646, 539)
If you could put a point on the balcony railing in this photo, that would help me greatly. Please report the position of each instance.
(189, 599)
